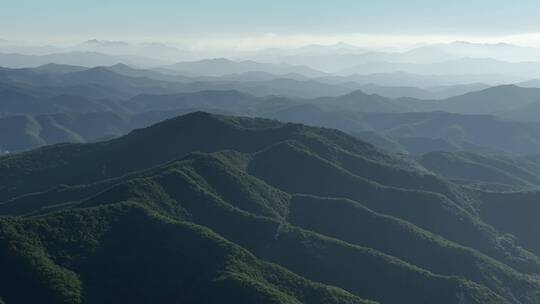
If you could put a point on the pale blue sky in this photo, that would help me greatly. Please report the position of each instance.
(167, 18)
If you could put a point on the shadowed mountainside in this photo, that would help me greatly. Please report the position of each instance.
(261, 187)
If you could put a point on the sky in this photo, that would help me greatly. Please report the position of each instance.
(254, 23)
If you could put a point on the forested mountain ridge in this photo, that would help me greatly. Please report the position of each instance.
(434, 242)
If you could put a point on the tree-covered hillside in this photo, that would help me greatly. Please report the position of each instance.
(204, 208)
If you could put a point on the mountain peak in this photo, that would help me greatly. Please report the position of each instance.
(120, 65)
(60, 68)
(356, 93)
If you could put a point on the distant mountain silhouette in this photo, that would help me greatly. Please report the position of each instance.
(491, 100)
(423, 132)
(461, 66)
(87, 59)
(438, 92)
(67, 89)
(222, 66)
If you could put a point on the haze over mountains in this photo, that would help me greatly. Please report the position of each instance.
(119, 94)
(490, 62)
(145, 173)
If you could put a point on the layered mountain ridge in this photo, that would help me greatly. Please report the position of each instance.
(251, 210)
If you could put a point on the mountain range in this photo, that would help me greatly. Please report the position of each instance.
(81, 58)
(56, 103)
(461, 66)
(204, 207)
(341, 56)
(472, 62)
(223, 66)
(245, 182)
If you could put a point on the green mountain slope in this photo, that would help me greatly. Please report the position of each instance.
(123, 247)
(90, 221)
(183, 192)
(471, 167)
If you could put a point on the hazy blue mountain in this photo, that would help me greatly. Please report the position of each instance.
(87, 59)
(37, 92)
(469, 132)
(397, 92)
(533, 83)
(528, 112)
(277, 86)
(462, 66)
(261, 76)
(441, 92)
(400, 79)
(124, 69)
(499, 51)
(492, 100)
(222, 66)
(217, 100)
(332, 58)
(62, 89)
(359, 101)
(159, 53)
(438, 92)
(97, 82)
(55, 68)
(255, 83)
(337, 57)
(14, 47)
(433, 53)
(121, 81)
(422, 132)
